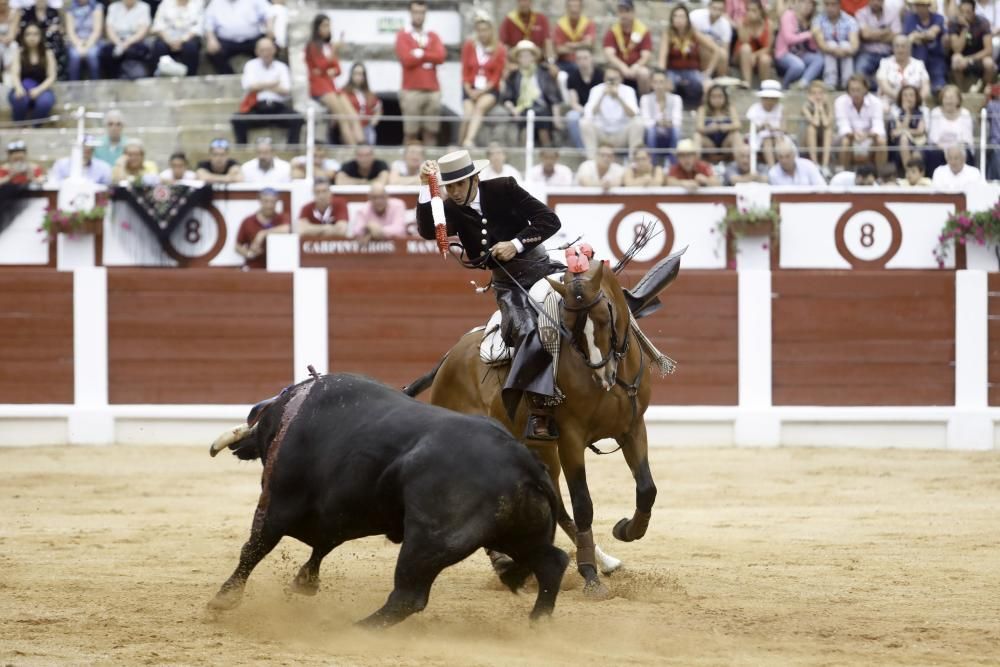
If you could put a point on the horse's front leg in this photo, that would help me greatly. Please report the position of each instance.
(571, 454)
(636, 452)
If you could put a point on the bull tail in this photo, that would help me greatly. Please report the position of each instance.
(421, 384)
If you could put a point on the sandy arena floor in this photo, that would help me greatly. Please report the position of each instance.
(784, 557)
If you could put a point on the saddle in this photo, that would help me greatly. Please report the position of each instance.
(493, 351)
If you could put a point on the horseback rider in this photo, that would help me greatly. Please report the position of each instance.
(502, 228)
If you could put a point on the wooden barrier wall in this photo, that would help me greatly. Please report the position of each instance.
(36, 321)
(864, 338)
(198, 335)
(994, 338)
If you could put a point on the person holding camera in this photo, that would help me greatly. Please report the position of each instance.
(17, 170)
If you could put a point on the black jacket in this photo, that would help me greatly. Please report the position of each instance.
(508, 213)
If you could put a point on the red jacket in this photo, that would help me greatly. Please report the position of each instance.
(493, 70)
(419, 73)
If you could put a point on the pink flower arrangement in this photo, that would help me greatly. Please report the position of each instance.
(967, 228)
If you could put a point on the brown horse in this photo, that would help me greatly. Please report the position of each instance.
(604, 376)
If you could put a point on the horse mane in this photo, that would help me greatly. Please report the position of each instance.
(642, 239)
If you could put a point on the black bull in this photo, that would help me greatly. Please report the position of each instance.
(346, 457)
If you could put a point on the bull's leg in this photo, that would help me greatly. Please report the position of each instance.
(548, 567)
(306, 582)
(260, 544)
(571, 456)
(420, 561)
(636, 452)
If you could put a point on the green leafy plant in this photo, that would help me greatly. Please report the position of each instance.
(968, 228)
(742, 221)
(57, 221)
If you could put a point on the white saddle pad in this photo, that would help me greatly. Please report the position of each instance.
(492, 350)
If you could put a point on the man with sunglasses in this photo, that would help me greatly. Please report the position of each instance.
(219, 167)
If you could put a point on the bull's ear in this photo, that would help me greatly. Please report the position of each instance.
(556, 285)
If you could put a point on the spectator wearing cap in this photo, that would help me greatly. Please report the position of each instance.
(860, 123)
(251, 239)
(713, 22)
(483, 61)
(611, 115)
(364, 169)
(680, 56)
(322, 59)
(837, 36)
(233, 27)
(382, 217)
(84, 27)
(178, 170)
(584, 77)
(524, 23)
(877, 26)
(113, 144)
(420, 51)
(901, 69)
(94, 170)
(955, 174)
(796, 56)
(133, 165)
(791, 169)
(971, 45)
(267, 84)
(766, 115)
(407, 170)
(532, 88)
(17, 170)
(325, 216)
(266, 169)
(33, 72)
(498, 167)
(220, 167)
(177, 29)
(926, 32)
(690, 171)
(572, 32)
(628, 47)
(549, 172)
(602, 171)
(127, 26)
(661, 115)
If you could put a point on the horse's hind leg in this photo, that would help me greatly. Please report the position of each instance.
(306, 582)
(636, 452)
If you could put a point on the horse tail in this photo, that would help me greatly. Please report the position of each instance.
(419, 385)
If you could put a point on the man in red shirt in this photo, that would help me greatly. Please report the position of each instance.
(525, 23)
(251, 239)
(325, 216)
(690, 172)
(628, 47)
(17, 170)
(420, 51)
(573, 31)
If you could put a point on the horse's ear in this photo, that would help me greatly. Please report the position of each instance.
(558, 286)
(599, 273)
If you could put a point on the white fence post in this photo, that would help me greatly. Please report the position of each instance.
(756, 422)
(529, 141)
(310, 141)
(90, 422)
(984, 130)
(753, 153)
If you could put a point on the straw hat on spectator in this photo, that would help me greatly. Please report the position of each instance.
(686, 146)
(458, 166)
(526, 44)
(481, 16)
(770, 88)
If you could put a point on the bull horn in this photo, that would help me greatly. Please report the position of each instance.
(231, 436)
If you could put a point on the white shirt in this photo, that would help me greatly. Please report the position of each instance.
(562, 176)
(850, 119)
(721, 31)
(588, 170)
(608, 114)
(255, 73)
(488, 172)
(280, 172)
(168, 175)
(236, 20)
(946, 179)
(844, 179)
(893, 77)
(651, 111)
(990, 11)
(943, 132)
(127, 22)
(806, 173)
(177, 22)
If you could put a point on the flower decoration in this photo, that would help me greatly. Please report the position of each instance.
(88, 221)
(967, 228)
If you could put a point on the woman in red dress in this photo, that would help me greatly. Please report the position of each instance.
(483, 61)
(324, 68)
(363, 101)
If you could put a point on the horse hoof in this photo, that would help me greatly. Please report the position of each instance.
(226, 600)
(607, 564)
(596, 590)
(620, 531)
(306, 587)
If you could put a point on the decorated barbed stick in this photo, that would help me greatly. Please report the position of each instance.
(437, 213)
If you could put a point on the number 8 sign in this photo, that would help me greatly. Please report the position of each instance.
(868, 236)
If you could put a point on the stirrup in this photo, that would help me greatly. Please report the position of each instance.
(552, 430)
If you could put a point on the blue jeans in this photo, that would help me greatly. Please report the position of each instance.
(76, 58)
(661, 139)
(25, 108)
(573, 127)
(867, 64)
(806, 66)
(687, 84)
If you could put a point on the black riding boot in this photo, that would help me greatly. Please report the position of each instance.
(541, 421)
